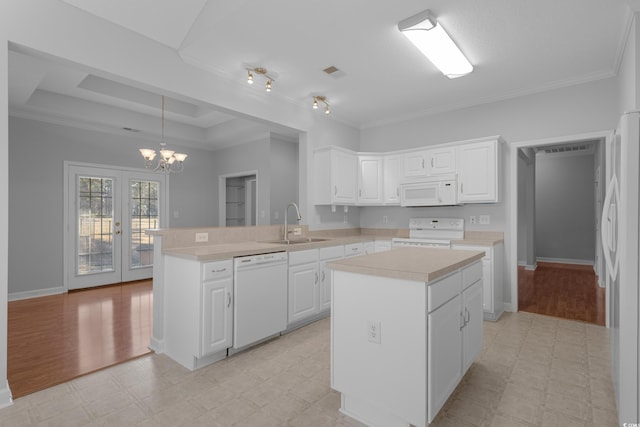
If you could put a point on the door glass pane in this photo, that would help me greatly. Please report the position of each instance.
(144, 215)
(95, 225)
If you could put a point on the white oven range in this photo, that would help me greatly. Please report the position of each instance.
(432, 232)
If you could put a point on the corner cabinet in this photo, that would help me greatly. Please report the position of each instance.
(199, 310)
(336, 176)
(478, 167)
(392, 176)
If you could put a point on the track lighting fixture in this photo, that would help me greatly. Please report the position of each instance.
(323, 99)
(261, 72)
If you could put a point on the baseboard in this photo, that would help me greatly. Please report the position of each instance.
(35, 294)
(566, 261)
(526, 266)
(507, 307)
(156, 345)
(6, 398)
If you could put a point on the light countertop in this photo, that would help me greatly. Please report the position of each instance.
(418, 264)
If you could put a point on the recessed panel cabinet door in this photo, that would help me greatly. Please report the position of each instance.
(478, 172)
(344, 170)
(217, 316)
(444, 353)
(303, 300)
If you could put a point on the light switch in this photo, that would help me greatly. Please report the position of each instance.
(485, 219)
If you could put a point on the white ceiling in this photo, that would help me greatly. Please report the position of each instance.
(517, 47)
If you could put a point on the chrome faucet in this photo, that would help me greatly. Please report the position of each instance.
(286, 214)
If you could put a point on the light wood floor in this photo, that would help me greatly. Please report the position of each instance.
(562, 290)
(56, 338)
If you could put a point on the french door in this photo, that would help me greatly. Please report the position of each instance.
(107, 213)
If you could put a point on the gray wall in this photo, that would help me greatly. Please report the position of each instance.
(565, 208)
(37, 152)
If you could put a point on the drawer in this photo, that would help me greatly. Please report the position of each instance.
(217, 269)
(471, 274)
(303, 257)
(443, 290)
(353, 249)
(332, 252)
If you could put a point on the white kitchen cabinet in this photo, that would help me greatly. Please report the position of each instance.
(391, 177)
(336, 176)
(303, 284)
(217, 311)
(370, 187)
(414, 164)
(199, 310)
(327, 255)
(472, 330)
(445, 353)
(454, 331)
(369, 247)
(310, 282)
(478, 172)
(492, 281)
(441, 161)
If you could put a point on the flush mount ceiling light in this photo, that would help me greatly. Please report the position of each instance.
(427, 34)
(323, 99)
(260, 72)
(169, 160)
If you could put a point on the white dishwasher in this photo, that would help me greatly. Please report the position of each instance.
(260, 290)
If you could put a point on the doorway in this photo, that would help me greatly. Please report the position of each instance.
(107, 211)
(532, 246)
(238, 199)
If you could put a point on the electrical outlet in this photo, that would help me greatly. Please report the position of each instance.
(485, 219)
(202, 237)
(297, 231)
(373, 331)
(346, 218)
(385, 219)
(472, 219)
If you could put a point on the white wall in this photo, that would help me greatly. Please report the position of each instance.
(565, 214)
(37, 152)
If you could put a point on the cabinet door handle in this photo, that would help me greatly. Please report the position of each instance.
(335, 190)
(422, 163)
(468, 316)
(360, 192)
(228, 299)
(316, 282)
(432, 162)
(398, 191)
(461, 188)
(323, 276)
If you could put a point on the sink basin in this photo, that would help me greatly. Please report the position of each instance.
(297, 241)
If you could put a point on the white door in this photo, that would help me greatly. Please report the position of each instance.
(107, 212)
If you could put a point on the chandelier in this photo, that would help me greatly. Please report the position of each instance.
(168, 161)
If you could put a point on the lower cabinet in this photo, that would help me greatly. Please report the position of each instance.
(199, 310)
(310, 282)
(492, 262)
(454, 335)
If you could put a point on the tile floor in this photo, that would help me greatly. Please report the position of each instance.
(534, 371)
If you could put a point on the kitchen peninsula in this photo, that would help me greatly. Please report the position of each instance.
(405, 327)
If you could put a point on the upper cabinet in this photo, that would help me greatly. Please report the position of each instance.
(441, 160)
(370, 189)
(392, 175)
(414, 164)
(336, 173)
(478, 172)
(344, 177)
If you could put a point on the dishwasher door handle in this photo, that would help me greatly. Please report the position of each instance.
(228, 299)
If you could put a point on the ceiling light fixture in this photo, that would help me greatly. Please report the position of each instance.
(169, 160)
(427, 34)
(261, 72)
(323, 99)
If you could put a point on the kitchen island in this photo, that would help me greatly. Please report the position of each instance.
(405, 327)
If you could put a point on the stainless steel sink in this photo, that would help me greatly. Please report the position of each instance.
(296, 241)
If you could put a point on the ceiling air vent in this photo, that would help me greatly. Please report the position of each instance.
(334, 72)
(577, 149)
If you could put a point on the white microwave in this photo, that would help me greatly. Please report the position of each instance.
(431, 191)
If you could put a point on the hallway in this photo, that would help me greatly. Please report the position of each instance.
(562, 290)
(56, 338)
